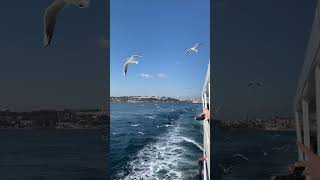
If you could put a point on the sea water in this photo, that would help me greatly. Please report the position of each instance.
(268, 153)
(155, 141)
(51, 154)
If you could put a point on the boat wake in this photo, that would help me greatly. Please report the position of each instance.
(161, 159)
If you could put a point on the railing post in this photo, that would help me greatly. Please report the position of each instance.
(306, 127)
(317, 89)
(298, 132)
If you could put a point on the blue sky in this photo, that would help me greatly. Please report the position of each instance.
(262, 40)
(161, 31)
(70, 73)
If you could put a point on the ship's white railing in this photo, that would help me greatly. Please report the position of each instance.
(308, 90)
(311, 57)
(206, 124)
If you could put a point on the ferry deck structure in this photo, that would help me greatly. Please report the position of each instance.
(206, 127)
(307, 99)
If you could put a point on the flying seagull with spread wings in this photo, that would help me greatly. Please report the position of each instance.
(240, 155)
(225, 170)
(130, 60)
(258, 84)
(195, 48)
(52, 12)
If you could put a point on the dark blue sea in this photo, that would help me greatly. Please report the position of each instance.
(162, 141)
(34, 154)
(268, 153)
(155, 141)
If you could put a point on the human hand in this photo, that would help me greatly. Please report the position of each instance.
(312, 165)
(206, 114)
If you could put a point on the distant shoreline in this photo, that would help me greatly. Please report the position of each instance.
(93, 128)
(250, 128)
(155, 99)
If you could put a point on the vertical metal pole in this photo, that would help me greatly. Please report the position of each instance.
(317, 86)
(209, 92)
(202, 101)
(306, 125)
(298, 131)
(306, 128)
(205, 99)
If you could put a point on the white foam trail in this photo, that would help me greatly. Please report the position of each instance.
(193, 142)
(160, 160)
(135, 125)
(141, 133)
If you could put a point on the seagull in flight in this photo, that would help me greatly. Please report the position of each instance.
(195, 48)
(240, 155)
(131, 60)
(151, 117)
(52, 12)
(226, 170)
(279, 148)
(166, 125)
(217, 109)
(276, 148)
(258, 84)
(265, 153)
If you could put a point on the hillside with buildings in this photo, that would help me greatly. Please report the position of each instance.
(91, 118)
(163, 99)
(273, 123)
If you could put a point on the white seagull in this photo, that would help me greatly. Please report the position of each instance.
(166, 125)
(276, 148)
(225, 170)
(240, 155)
(51, 13)
(130, 60)
(194, 48)
(265, 153)
(252, 83)
(151, 117)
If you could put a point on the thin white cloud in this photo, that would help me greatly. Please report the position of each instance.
(145, 76)
(178, 62)
(162, 75)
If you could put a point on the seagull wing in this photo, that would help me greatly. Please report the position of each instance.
(50, 17)
(188, 51)
(125, 68)
(196, 45)
(229, 168)
(135, 56)
(240, 155)
(221, 166)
